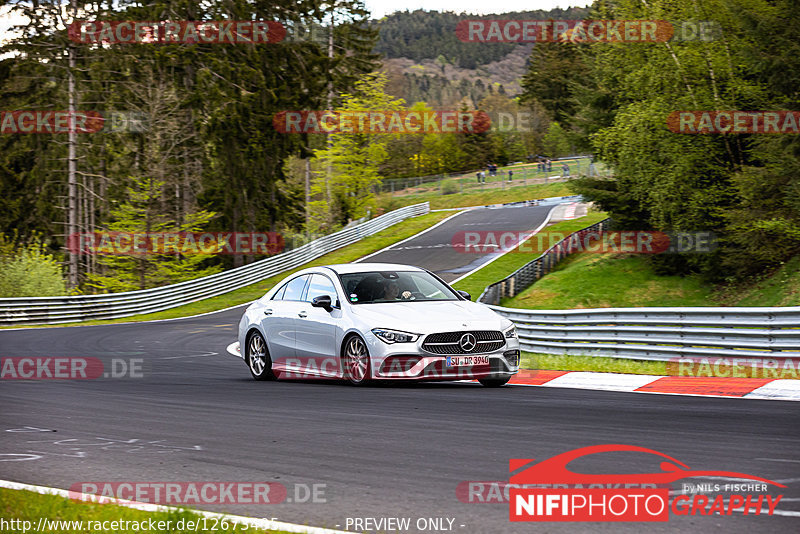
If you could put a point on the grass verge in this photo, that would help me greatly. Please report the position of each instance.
(598, 364)
(606, 364)
(346, 254)
(780, 288)
(528, 251)
(589, 280)
(29, 506)
(626, 280)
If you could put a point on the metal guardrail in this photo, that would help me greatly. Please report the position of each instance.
(66, 309)
(660, 333)
(529, 273)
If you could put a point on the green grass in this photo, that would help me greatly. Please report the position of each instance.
(780, 288)
(606, 364)
(476, 197)
(625, 280)
(346, 254)
(599, 364)
(589, 280)
(30, 506)
(528, 251)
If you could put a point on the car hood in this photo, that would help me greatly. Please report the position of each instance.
(429, 317)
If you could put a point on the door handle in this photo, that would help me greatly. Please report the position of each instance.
(268, 312)
(302, 314)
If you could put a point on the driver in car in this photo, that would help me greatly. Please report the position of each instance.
(391, 291)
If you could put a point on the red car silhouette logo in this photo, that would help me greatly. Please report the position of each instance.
(554, 470)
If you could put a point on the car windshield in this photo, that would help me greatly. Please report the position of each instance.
(394, 286)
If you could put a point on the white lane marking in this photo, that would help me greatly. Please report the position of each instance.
(384, 249)
(603, 381)
(259, 523)
(782, 388)
(28, 457)
(765, 511)
(778, 460)
(190, 356)
(479, 267)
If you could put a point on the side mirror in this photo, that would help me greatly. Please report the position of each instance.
(464, 294)
(322, 301)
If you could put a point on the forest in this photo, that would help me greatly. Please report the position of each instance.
(187, 141)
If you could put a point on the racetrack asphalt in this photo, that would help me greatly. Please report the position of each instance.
(195, 414)
(386, 450)
(434, 249)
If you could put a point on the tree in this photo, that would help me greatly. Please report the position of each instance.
(143, 214)
(354, 159)
(555, 142)
(741, 187)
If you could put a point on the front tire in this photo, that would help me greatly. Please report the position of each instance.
(494, 381)
(356, 362)
(257, 357)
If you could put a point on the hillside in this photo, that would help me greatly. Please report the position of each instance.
(426, 61)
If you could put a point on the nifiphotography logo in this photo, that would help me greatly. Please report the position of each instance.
(549, 491)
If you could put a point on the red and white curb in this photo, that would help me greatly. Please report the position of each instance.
(730, 387)
(255, 522)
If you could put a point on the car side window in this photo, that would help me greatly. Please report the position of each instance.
(294, 289)
(321, 285)
(279, 293)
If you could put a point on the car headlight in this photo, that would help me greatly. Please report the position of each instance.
(511, 332)
(394, 336)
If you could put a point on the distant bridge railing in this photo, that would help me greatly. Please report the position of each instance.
(67, 309)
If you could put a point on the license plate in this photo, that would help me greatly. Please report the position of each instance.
(459, 361)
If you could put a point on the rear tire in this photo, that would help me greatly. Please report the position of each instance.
(257, 357)
(494, 382)
(356, 362)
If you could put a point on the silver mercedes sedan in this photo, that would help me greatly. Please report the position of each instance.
(374, 321)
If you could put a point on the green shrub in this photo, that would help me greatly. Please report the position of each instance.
(449, 188)
(29, 271)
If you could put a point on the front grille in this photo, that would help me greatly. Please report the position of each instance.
(449, 342)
